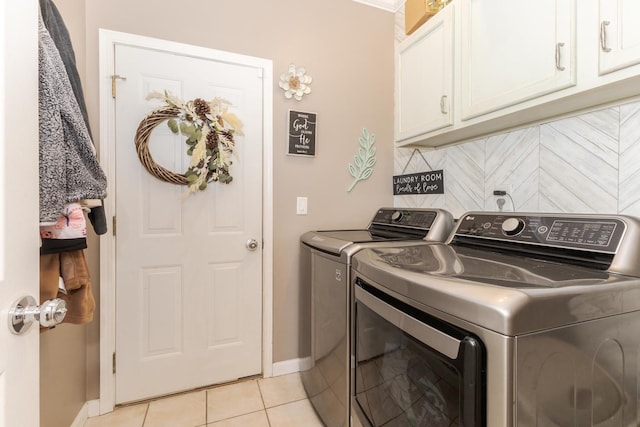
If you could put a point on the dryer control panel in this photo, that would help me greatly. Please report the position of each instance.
(581, 232)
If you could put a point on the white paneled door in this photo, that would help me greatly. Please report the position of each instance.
(19, 354)
(188, 286)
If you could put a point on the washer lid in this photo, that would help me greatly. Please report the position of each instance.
(388, 225)
(507, 293)
(335, 241)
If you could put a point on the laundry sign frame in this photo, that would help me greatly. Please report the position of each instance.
(428, 182)
(302, 133)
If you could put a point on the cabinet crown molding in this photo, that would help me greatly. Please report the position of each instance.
(388, 5)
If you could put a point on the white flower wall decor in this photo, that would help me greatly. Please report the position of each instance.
(295, 82)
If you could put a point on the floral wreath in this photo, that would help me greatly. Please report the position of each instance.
(209, 128)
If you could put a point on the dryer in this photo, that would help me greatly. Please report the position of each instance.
(523, 319)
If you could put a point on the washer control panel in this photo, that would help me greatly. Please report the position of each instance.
(415, 218)
(585, 232)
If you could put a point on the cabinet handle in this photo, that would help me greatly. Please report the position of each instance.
(603, 36)
(443, 100)
(558, 47)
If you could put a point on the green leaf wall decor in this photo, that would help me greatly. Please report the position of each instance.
(364, 160)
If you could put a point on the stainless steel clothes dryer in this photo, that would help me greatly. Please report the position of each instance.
(325, 268)
(518, 320)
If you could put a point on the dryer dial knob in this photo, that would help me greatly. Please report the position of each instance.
(512, 226)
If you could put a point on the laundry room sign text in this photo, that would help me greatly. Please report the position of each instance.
(302, 133)
(431, 182)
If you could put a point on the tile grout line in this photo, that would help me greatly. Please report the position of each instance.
(145, 419)
(264, 405)
(146, 413)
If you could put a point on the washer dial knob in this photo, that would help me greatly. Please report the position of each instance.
(396, 216)
(513, 226)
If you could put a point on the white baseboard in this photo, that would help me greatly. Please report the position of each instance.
(292, 365)
(89, 409)
(82, 416)
(93, 408)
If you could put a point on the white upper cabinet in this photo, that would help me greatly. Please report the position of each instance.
(424, 78)
(515, 50)
(515, 63)
(619, 34)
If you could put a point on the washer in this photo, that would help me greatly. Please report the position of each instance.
(325, 268)
(523, 319)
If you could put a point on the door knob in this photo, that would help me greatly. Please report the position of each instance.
(25, 311)
(252, 244)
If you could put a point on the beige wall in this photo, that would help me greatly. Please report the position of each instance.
(64, 350)
(347, 48)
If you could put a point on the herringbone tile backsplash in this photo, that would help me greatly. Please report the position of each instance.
(589, 163)
(629, 160)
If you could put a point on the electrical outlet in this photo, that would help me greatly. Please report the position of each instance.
(504, 202)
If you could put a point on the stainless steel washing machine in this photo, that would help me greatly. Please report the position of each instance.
(325, 268)
(517, 320)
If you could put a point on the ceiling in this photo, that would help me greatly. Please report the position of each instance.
(390, 5)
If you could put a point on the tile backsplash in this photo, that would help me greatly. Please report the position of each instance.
(589, 163)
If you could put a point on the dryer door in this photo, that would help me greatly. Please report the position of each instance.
(412, 368)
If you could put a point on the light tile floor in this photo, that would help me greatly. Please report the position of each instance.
(272, 402)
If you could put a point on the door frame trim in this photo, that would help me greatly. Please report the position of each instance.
(107, 42)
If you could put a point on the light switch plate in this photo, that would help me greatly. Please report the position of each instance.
(301, 206)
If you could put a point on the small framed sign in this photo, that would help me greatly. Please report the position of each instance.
(430, 182)
(302, 133)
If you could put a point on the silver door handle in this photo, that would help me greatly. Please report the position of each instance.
(558, 47)
(603, 36)
(252, 244)
(25, 312)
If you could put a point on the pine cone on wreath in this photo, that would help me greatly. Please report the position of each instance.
(201, 107)
(212, 140)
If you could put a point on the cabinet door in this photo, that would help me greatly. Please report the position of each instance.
(619, 34)
(512, 51)
(424, 68)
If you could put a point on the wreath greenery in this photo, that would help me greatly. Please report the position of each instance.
(209, 128)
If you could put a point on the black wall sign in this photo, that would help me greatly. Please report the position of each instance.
(302, 133)
(431, 182)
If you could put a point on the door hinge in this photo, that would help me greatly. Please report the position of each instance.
(113, 83)
(113, 225)
(113, 362)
